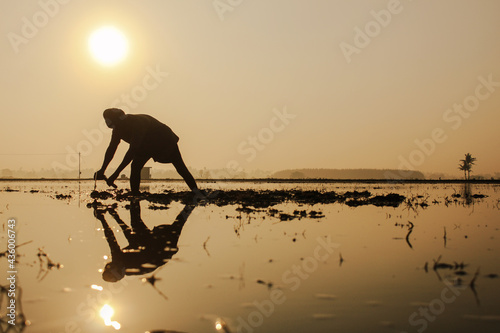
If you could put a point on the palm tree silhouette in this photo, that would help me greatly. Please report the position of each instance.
(466, 165)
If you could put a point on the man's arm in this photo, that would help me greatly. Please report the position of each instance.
(135, 147)
(129, 156)
(110, 152)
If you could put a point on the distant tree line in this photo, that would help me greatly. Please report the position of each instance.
(346, 174)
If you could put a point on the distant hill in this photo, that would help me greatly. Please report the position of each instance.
(348, 174)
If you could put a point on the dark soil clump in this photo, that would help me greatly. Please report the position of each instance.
(252, 199)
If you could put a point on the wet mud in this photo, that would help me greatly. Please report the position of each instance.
(253, 199)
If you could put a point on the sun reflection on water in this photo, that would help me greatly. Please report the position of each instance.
(106, 313)
(221, 326)
(96, 287)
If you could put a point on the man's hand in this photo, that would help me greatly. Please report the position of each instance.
(99, 175)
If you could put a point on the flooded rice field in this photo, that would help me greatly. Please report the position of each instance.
(250, 257)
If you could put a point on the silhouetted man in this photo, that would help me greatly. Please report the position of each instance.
(148, 138)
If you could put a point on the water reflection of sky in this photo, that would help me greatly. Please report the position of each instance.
(254, 272)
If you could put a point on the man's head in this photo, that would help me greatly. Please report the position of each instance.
(113, 116)
(113, 272)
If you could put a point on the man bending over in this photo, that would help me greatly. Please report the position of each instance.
(148, 138)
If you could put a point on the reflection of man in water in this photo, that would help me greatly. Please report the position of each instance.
(147, 249)
(148, 138)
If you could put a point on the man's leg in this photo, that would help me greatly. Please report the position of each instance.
(183, 170)
(135, 173)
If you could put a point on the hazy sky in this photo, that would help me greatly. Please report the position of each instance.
(269, 84)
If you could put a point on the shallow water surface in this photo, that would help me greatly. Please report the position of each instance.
(430, 264)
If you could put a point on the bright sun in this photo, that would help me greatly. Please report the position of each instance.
(108, 45)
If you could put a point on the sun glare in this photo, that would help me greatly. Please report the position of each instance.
(106, 313)
(108, 45)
